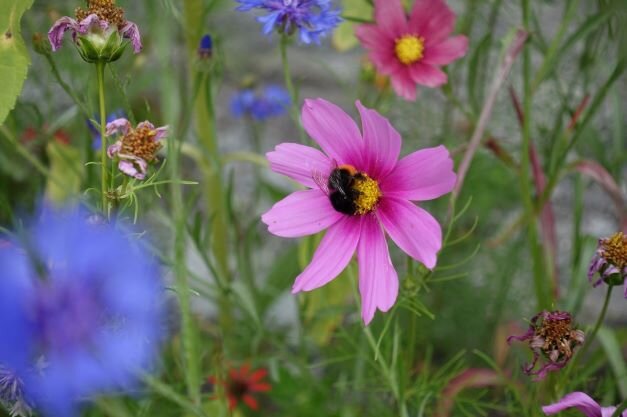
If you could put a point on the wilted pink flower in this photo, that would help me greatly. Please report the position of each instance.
(359, 190)
(98, 31)
(411, 49)
(136, 147)
(610, 261)
(552, 335)
(581, 402)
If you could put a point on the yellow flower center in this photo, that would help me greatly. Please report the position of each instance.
(369, 194)
(105, 9)
(615, 250)
(409, 49)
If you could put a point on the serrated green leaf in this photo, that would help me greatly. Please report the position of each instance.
(14, 58)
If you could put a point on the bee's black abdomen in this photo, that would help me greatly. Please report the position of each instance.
(343, 203)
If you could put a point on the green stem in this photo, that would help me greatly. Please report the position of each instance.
(290, 85)
(542, 295)
(100, 69)
(600, 320)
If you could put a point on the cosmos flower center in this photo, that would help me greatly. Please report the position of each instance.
(105, 9)
(615, 250)
(556, 335)
(141, 143)
(409, 49)
(369, 194)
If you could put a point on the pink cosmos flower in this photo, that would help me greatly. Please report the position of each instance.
(411, 49)
(581, 402)
(359, 191)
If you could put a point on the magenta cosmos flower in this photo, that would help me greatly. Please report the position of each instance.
(359, 191)
(609, 263)
(135, 148)
(581, 402)
(411, 49)
(98, 31)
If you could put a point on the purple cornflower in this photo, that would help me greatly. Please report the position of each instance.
(95, 132)
(312, 18)
(137, 147)
(80, 311)
(12, 394)
(582, 402)
(272, 101)
(552, 335)
(205, 47)
(98, 32)
(610, 262)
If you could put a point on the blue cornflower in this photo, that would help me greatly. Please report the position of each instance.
(205, 47)
(272, 101)
(80, 311)
(312, 18)
(95, 133)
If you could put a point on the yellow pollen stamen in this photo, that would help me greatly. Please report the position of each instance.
(140, 142)
(369, 194)
(105, 9)
(615, 250)
(409, 49)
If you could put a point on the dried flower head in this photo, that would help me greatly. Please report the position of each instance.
(137, 147)
(552, 335)
(610, 261)
(99, 31)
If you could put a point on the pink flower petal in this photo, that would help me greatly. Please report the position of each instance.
(333, 254)
(302, 213)
(130, 168)
(161, 132)
(118, 125)
(431, 19)
(131, 31)
(300, 163)
(114, 149)
(382, 143)
(427, 75)
(56, 32)
(403, 85)
(378, 281)
(413, 229)
(579, 400)
(390, 17)
(422, 175)
(447, 51)
(335, 132)
(373, 37)
(609, 412)
(91, 21)
(146, 124)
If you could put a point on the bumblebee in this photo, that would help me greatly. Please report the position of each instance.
(341, 190)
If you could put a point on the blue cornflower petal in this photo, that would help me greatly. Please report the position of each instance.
(313, 19)
(85, 308)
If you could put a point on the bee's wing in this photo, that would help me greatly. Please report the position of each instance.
(320, 181)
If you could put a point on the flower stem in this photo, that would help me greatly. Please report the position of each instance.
(290, 85)
(600, 320)
(100, 69)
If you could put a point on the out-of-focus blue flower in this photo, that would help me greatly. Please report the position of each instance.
(95, 133)
(205, 47)
(312, 18)
(80, 311)
(272, 101)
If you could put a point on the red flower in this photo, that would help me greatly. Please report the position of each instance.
(241, 384)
